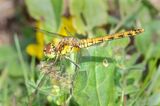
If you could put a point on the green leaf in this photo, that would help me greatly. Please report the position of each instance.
(148, 37)
(57, 5)
(139, 42)
(154, 100)
(43, 10)
(14, 69)
(7, 53)
(126, 5)
(88, 14)
(98, 88)
(120, 43)
(156, 51)
(80, 81)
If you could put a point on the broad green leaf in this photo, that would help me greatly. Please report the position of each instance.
(76, 9)
(7, 53)
(81, 81)
(57, 6)
(118, 49)
(98, 87)
(43, 10)
(93, 12)
(14, 69)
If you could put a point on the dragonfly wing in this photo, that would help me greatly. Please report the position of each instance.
(50, 33)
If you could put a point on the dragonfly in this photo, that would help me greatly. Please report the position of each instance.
(69, 44)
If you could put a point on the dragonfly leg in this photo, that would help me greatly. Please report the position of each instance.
(56, 58)
(72, 61)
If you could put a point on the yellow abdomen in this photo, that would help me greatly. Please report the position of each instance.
(92, 41)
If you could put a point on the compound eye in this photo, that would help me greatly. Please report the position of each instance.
(47, 48)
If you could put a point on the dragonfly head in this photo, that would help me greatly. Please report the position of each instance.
(49, 51)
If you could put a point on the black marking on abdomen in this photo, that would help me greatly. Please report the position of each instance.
(100, 40)
(111, 38)
(121, 35)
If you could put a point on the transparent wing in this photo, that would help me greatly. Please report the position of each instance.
(53, 34)
(49, 33)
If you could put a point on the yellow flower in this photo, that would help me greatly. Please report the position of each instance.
(66, 26)
(36, 49)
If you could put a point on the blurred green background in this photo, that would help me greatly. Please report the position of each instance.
(122, 72)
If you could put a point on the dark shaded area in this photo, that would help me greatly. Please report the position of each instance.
(84, 59)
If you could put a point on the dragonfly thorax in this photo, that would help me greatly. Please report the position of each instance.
(67, 45)
(64, 47)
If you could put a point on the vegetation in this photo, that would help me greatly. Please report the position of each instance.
(123, 72)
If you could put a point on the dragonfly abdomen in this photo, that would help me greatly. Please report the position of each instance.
(89, 42)
(92, 41)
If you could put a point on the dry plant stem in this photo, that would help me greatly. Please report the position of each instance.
(56, 59)
(72, 61)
